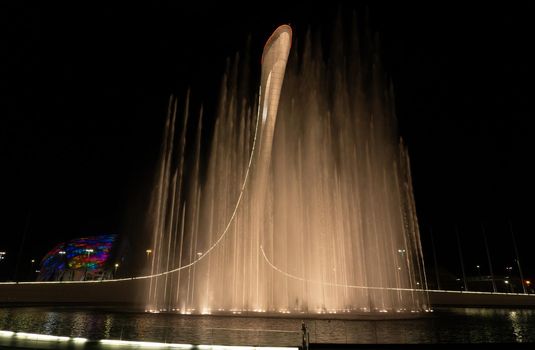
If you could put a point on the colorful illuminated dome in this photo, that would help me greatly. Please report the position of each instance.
(79, 259)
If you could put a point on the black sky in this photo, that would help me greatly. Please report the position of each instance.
(84, 94)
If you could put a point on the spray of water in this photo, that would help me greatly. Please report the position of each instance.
(302, 205)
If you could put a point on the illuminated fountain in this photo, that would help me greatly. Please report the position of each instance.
(298, 206)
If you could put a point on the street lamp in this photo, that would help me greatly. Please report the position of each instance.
(2, 255)
(60, 274)
(88, 251)
(32, 269)
(148, 251)
(401, 251)
(509, 284)
(116, 267)
(509, 270)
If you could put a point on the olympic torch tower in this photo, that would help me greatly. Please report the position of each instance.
(274, 59)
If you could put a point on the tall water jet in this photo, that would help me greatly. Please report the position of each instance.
(311, 214)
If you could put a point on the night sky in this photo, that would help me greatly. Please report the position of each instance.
(84, 94)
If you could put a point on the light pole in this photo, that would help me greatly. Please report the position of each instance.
(517, 259)
(88, 251)
(148, 251)
(508, 271)
(115, 272)
(59, 275)
(32, 271)
(510, 285)
(2, 258)
(461, 257)
(488, 258)
(401, 251)
(480, 284)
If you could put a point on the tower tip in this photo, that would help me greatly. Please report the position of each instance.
(281, 30)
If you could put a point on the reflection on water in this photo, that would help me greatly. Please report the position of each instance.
(444, 326)
(51, 320)
(79, 320)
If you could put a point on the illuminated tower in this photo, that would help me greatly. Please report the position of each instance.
(274, 59)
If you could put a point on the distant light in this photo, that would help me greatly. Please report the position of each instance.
(199, 253)
(33, 260)
(506, 282)
(89, 250)
(116, 265)
(148, 251)
(527, 282)
(62, 252)
(477, 266)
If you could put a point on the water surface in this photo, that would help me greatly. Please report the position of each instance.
(453, 325)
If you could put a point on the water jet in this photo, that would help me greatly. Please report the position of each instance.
(304, 203)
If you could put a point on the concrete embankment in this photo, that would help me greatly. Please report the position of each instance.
(133, 292)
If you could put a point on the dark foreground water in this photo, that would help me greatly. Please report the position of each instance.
(454, 325)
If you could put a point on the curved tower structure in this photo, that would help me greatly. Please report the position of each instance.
(274, 59)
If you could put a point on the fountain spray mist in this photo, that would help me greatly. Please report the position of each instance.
(305, 202)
